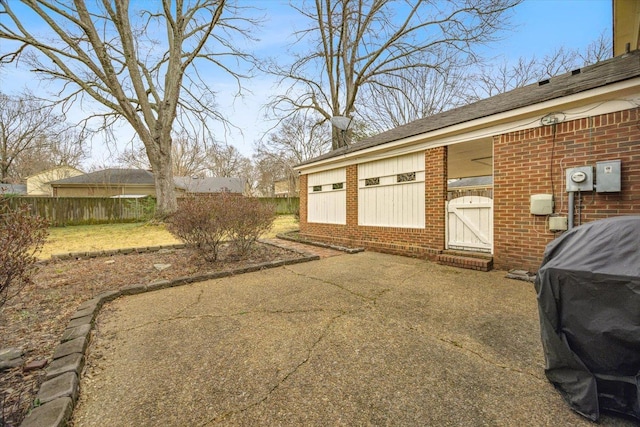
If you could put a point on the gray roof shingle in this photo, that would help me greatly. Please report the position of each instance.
(209, 185)
(13, 189)
(145, 177)
(610, 71)
(111, 177)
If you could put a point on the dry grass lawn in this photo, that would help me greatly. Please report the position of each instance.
(83, 238)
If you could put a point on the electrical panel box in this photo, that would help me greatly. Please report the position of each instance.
(580, 179)
(608, 176)
(541, 204)
(557, 223)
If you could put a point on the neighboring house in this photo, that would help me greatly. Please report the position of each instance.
(136, 182)
(13, 189)
(286, 188)
(389, 192)
(38, 184)
(195, 185)
(106, 183)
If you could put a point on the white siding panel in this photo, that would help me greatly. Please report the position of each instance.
(327, 206)
(392, 204)
(327, 177)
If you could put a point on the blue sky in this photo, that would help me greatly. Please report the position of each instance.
(539, 28)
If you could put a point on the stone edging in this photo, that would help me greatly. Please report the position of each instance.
(59, 391)
(111, 252)
(285, 236)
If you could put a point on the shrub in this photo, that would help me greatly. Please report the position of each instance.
(250, 219)
(205, 222)
(21, 238)
(200, 222)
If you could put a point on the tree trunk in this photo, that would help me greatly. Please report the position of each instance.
(165, 189)
(159, 153)
(337, 138)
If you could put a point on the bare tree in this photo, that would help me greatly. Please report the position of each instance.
(188, 156)
(140, 65)
(135, 157)
(60, 148)
(356, 43)
(226, 161)
(412, 94)
(267, 170)
(598, 50)
(297, 138)
(33, 138)
(493, 80)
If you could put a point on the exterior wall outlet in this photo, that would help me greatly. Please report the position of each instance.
(541, 204)
(557, 223)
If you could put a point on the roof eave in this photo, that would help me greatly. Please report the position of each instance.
(602, 93)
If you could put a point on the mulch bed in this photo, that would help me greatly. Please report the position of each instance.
(35, 319)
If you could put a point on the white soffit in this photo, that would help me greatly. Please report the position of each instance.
(607, 99)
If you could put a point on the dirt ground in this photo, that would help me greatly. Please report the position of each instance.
(35, 319)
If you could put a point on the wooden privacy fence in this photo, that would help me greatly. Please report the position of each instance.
(61, 211)
(284, 205)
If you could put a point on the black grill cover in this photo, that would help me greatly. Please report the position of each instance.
(588, 290)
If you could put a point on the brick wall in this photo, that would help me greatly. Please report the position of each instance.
(423, 243)
(525, 162)
(530, 162)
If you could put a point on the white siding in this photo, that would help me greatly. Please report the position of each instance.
(328, 205)
(392, 203)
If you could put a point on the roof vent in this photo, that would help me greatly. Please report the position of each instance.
(543, 82)
(574, 72)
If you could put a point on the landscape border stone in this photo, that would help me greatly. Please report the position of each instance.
(78, 345)
(111, 252)
(289, 236)
(83, 312)
(71, 363)
(76, 332)
(65, 385)
(69, 356)
(52, 414)
(79, 321)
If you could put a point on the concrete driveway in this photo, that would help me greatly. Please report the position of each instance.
(365, 339)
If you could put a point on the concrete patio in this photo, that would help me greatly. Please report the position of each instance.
(365, 339)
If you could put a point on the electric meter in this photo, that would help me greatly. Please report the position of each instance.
(578, 177)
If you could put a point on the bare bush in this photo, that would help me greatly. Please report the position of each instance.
(21, 238)
(249, 220)
(200, 222)
(204, 223)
